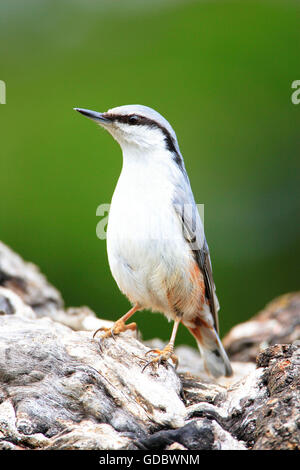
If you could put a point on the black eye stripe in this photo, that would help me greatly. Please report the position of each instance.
(134, 119)
(138, 120)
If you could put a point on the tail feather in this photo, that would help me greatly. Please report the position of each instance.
(215, 359)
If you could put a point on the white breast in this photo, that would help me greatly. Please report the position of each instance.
(144, 238)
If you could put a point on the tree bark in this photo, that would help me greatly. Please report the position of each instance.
(60, 390)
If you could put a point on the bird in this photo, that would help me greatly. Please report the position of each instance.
(156, 245)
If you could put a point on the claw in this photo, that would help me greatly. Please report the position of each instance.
(112, 334)
(100, 329)
(116, 329)
(100, 347)
(162, 356)
(146, 365)
(157, 351)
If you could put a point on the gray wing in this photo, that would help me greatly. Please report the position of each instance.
(193, 232)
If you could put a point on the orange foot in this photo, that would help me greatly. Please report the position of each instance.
(162, 356)
(118, 327)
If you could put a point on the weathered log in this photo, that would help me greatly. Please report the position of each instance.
(278, 323)
(60, 390)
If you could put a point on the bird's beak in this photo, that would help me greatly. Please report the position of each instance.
(98, 117)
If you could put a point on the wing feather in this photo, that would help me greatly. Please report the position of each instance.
(193, 232)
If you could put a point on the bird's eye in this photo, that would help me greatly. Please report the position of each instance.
(134, 119)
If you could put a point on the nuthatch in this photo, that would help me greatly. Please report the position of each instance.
(156, 245)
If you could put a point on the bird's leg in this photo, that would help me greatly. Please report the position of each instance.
(119, 325)
(168, 351)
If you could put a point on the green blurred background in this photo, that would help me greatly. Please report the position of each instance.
(219, 71)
